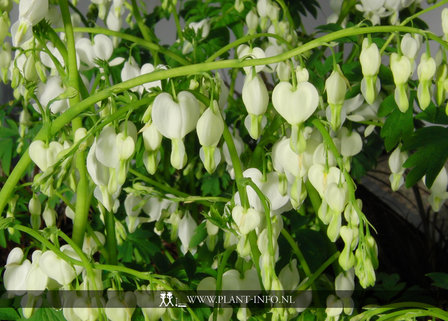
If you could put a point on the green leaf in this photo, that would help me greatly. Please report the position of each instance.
(5, 222)
(199, 235)
(431, 145)
(46, 314)
(8, 314)
(398, 126)
(439, 279)
(433, 114)
(210, 185)
(387, 106)
(6, 152)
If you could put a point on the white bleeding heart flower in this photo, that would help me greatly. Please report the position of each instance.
(322, 178)
(370, 58)
(44, 156)
(334, 307)
(48, 95)
(244, 51)
(201, 27)
(49, 215)
(350, 143)
(246, 220)
(131, 70)
(270, 189)
(350, 237)
(148, 68)
(209, 129)
(56, 268)
(48, 61)
(125, 146)
(410, 46)
(107, 151)
(154, 207)
(438, 191)
(252, 21)
(174, 120)
(187, 227)
(289, 276)
(336, 196)
(120, 308)
(30, 13)
(336, 88)
(396, 161)
(256, 99)
(295, 105)
(444, 16)
(90, 246)
(101, 48)
(36, 279)
(345, 283)
(152, 140)
(16, 271)
(425, 71)
(401, 67)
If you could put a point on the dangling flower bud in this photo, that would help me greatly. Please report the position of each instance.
(209, 128)
(336, 88)
(425, 71)
(187, 227)
(396, 160)
(370, 63)
(438, 191)
(401, 69)
(255, 99)
(445, 22)
(152, 140)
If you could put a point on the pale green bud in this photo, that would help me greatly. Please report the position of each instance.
(4, 26)
(336, 87)
(370, 58)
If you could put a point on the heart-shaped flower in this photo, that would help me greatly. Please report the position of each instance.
(175, 119)
(246, 220)
(56, 268)
(321, 178)
(295, 106)
(209, 128)
(44, 156)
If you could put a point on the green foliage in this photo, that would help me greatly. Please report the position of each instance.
(431, 152)
(398, 125)
(439, 279)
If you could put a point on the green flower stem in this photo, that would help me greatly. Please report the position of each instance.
(83, 193)
(177, 21)
(180, 196)
(408, 19)
(348, 179)
(84, 259)
(318, 272)
(245, 39)
(297, 252)
(143, 28)
(267, 214)
(139, 41)
(287, 13)
(221, 268)
(75, 110)
(301, 258)
(43, 240)
(111, 239)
